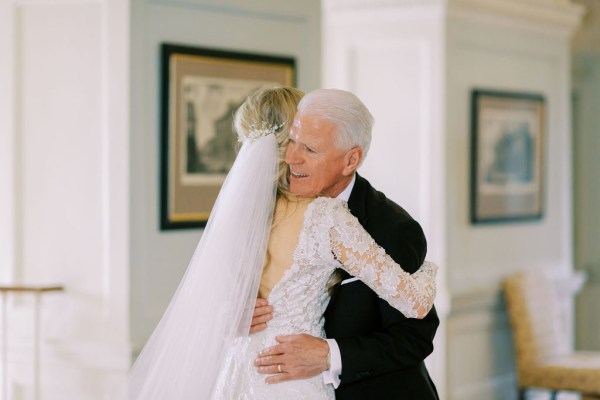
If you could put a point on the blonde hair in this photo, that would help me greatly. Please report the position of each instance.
(275, 108)
(271, 107)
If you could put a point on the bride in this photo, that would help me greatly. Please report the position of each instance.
(201, 348)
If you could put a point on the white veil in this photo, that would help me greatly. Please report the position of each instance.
(216, 297)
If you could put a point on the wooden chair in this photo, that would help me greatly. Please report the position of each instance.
(543, 356)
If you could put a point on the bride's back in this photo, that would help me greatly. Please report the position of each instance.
(288, 221)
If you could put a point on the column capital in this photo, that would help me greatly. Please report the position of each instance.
(560, 13)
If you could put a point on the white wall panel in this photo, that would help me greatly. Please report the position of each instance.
(479, 331)
(397, 94)
(60, 114)
(64, 185)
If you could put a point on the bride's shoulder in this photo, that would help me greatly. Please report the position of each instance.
(330, 201)
(330, 205)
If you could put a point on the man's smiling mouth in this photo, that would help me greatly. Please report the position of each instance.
(298, 175)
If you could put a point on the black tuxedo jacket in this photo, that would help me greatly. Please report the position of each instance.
(382, 351)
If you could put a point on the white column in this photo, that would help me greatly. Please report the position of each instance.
(391, 55)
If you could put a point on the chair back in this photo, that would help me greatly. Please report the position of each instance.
(535, 317)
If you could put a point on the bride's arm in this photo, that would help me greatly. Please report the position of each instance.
(411, 294)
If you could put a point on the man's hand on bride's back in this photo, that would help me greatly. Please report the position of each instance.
(263, 312)
(294, 357)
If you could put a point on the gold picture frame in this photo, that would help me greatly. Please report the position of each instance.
(201, 89)
(507, 156)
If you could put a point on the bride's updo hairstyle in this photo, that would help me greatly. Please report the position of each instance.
(270, 108)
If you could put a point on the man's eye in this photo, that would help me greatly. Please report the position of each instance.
(309, 149)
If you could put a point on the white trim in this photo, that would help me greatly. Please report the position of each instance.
(349, 280)
(557, 12)
(7, 143)
(56, 2)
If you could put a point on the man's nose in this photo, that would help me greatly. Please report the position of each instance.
(291, 154)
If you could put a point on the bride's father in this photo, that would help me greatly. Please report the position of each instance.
(373, 351)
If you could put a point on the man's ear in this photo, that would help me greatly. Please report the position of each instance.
(352, 160)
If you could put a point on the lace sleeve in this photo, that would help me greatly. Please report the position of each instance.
(411, 294)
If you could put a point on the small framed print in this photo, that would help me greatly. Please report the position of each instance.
(201, 90)
(507, 156)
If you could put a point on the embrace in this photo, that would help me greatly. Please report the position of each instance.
(345, 296)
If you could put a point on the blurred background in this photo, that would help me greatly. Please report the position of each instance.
(80, 166)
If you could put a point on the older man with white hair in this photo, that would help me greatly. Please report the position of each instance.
(372, 350)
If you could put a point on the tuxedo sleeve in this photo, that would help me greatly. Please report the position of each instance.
(401, 342)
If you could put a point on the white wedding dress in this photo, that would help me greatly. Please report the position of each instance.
(330, 234)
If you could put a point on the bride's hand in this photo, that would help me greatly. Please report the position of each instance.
(263, 312)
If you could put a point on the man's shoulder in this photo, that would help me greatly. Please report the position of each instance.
(375, 203)
(390, 225)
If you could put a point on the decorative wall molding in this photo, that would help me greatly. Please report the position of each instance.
(57, 2)
(98, 355)
(586, 39)
(291, 12)
(361, 11)
(502, 387)
(561, 13)
(478, 320)
(338, 5)
(481, 300)
(551, 12)
(491, 299)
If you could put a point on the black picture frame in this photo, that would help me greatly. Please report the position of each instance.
(200, 90)
(507, 156)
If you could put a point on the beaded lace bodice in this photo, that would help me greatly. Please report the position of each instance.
(331, 238)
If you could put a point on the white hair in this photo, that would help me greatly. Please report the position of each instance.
(351, 117)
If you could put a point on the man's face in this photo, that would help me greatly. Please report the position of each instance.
(317, 166)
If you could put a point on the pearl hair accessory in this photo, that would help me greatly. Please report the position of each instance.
(264, 130)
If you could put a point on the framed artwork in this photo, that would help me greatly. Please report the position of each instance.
(507, 156)
(201, 90)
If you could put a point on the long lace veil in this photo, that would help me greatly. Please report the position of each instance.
(215, 299)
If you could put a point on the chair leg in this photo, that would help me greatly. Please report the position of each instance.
(553, 395)
(522, 393)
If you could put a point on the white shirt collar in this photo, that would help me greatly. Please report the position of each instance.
(345, 195)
